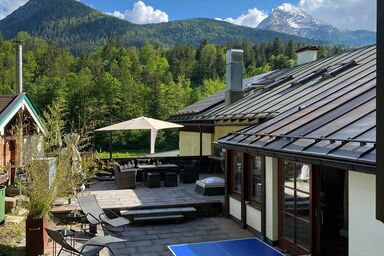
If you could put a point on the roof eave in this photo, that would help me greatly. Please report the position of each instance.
(334, 161)
(20, 102)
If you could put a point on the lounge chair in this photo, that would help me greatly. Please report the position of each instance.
(95, 215)
(91, 247)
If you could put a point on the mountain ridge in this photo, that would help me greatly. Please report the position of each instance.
(78, 27)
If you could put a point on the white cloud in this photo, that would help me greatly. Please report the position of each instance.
(251, 18)
(117, 14)
(8, 6)
(142, 14)
(344, 14)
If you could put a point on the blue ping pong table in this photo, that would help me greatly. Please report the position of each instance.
(237, 247)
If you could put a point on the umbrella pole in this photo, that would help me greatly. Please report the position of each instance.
(110, 145)
(201, 148)
(153, 141)
(110, 140)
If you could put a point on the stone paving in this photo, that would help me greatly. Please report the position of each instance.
(152, 240)
(148, 240)
(110, 197)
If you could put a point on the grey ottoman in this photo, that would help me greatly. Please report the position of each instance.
(170, 179)
(153, 180)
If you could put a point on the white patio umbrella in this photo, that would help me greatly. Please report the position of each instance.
(142, 123)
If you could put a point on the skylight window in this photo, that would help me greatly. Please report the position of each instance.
(269, 84)
(279, 81)
(306, 78)
(337, 69)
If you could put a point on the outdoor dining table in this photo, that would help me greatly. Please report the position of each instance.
(161, 168)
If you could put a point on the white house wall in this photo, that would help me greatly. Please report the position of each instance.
(253, 218)
(271, 197)
(235, 208)
(366, 234)
(189, 143)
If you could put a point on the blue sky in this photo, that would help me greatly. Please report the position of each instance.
(344, 14)
(182, 9)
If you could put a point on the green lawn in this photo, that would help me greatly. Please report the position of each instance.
(123, 154)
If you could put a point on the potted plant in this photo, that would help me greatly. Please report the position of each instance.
(15, 188)
(4, 175)
(52, 170)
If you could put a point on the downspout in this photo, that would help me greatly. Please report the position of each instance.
(380, 112)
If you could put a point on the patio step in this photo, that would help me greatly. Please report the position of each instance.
(187, 212)
(177, 217)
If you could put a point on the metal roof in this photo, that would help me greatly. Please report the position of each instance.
(5, 100)
(204, 104)
(334, 118)
(216, 99)
(10, 105)
(284, 89)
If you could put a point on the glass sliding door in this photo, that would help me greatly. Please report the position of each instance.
(295, 206)
(236, 170)
(256, 172)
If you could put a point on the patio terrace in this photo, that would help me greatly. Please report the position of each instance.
(152, 240)
(141, 197)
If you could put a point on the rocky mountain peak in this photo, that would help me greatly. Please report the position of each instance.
(290, 8)
(292, 20)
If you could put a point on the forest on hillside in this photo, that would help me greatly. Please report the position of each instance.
(116, 83)
(75, 26)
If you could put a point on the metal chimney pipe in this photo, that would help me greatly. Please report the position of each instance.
(19, 89)
(234, 65)
(19, 67)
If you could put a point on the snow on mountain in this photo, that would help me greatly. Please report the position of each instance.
(287, 7)
(290, 19)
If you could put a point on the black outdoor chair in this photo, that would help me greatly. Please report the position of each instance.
(90, 247)
(95, 215)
